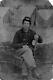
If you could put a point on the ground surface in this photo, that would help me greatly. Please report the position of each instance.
(9, 69)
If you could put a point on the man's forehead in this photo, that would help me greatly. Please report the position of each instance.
(26, 22)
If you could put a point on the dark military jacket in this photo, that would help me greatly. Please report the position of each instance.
(23, 38)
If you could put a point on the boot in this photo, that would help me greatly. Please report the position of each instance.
(24, 70)
(35, 74)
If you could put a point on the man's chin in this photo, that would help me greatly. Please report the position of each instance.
(25, 30)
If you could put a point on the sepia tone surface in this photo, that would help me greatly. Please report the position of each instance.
(11, 15)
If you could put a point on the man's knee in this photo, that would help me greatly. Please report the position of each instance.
(29, 50)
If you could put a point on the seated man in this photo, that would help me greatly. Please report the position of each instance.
(24, 42)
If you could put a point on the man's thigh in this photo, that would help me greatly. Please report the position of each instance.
(27, 54)
(21, 51)
(28, 57)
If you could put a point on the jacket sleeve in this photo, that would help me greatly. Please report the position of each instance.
(16, 38)
(16, 44)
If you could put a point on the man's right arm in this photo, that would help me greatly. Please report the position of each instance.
(16, 44)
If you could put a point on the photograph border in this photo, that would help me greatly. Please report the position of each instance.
(38, 7)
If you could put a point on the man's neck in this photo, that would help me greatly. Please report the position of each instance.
(25, 30)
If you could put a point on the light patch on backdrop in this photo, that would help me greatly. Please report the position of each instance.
(51, 1)
(52, 79)
(1, 0)
(45, 14)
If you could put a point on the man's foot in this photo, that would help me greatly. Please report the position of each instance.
(24, 76)
(35, 74)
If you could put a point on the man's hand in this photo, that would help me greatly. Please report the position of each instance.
(36, 37)
(25, 46)
(34, 42)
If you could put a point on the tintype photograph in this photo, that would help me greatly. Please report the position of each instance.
(26, 40)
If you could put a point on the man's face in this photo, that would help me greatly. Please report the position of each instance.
(26, 25)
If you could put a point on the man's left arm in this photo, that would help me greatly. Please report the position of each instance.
(37, 39)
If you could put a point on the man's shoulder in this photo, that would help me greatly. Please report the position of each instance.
(32, 31)
(19, 31)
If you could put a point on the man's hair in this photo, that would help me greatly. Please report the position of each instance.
(26, 19)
